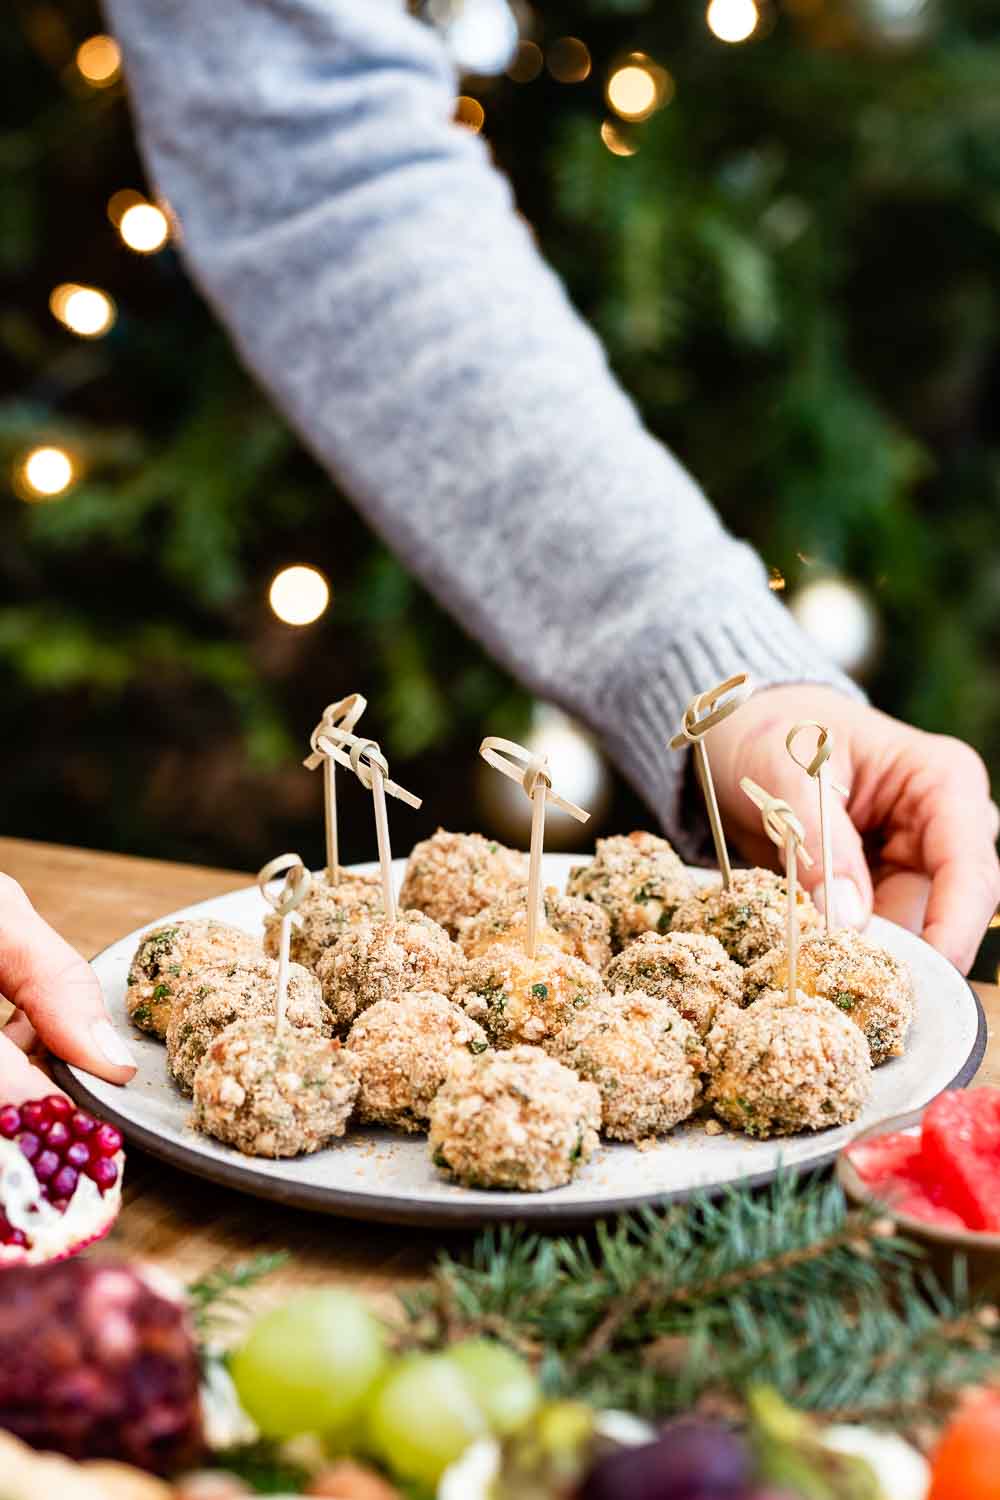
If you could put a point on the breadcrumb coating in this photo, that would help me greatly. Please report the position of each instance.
(638, 879)
(215, 997)
(522, 999)
(689, 969)
(645, 1059)
(872, 987)
(578, 926)
(324, 915)
(517, 1120)
(780, 1068)
(452, 876)
(750, 918)
(274, 1095)
(379, 960)
(403, 1048)
(171, 953)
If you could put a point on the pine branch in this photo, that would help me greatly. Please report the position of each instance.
(217, 1296)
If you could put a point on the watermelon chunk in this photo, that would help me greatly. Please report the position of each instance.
(960, 1148)
(885, 1156)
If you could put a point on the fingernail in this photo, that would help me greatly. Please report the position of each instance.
(848, 907)
(114, 1048)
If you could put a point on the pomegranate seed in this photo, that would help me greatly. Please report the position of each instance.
(60, 1204)
(46, 1165)
(58, 1107)
(10, 1121)
(77, 1155)
(107, 1141)
(64, 1184)
(33, 1114)
(104, 1172)
(57, 1135)
(9, 1235)
(30, 1145)
(82, 1125)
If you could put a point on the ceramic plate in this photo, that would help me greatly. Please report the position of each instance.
(374, 1174)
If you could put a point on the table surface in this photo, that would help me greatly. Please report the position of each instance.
(189, 1226)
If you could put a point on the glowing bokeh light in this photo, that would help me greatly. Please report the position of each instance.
(84, 310)
(616, 140)
(46, 472)
(470, 113)
(119, 203)
(99, 60)
(526, 63)
(144, 228)
(568, 60)
(299, 595)
(638, 86)
(732, 20)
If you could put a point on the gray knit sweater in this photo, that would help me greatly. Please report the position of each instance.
(372, 271)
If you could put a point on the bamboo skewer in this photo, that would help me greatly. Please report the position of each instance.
(819, 769)
(531, 771)
(343, 714)
(785, 829)
(284, 900)
(715, 707)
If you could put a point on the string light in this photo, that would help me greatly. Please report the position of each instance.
(732, 20)
(299, 595)
(638, 87)
(144, 228)
(84, 310)
(470, 113)
(840, 618)
(776, 582)
(568, 60)
(120, 202)
(45, 473)
(616, 140)
(526, 63)
(99, 60)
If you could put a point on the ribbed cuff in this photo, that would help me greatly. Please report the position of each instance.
(648, 703)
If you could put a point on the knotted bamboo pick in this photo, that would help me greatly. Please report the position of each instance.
(343, 714)
(532, 772)
(693, 731)
(819, 769)
(365, 759)
(284, 900)
(784, 828)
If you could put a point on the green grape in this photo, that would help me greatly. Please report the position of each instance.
(309, 1365)
(424, 1416)
(501, 1382)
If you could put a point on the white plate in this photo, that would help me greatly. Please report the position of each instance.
(375, 1174)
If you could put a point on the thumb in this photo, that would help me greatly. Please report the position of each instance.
(851, 891)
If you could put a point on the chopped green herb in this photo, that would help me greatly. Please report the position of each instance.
(844, 1000)
(162, 992)
(540, 991)
(476, 1047)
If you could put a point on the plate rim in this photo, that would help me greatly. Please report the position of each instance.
(383, 1208)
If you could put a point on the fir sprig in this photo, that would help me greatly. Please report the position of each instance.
(217, 1298)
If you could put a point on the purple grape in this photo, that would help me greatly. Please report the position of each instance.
(690, 1460)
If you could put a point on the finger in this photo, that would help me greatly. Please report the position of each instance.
(959, 857)
(901, 896)
(20, 1032)
(47, 979)
(19, 1078)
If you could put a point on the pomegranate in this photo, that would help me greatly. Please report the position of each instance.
(60, 1180)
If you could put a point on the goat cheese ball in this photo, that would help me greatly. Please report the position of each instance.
(452, 876)
(214, 998)
(403, 1048)
(689, 969)
(578, 926)
(872, 987)
(517, 1120)
(521, 999)
(168, 955)
(324, 915)
(645, 1059)
(750, 918)
(638, 879)
(273, 1094)
(379, 960)
(780, 1068)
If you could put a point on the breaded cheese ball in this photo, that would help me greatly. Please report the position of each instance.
(403, 1048)
(517, 1120)
(216, 997)
(690, 970)
(750, 918)
(578, 926)
(638, 879)
(272, 1094)
(324, 915)
(452, 876)
(645, 1059)
(380, 960)
(521, 999)
(168, 955)
(780, 1068)
(872, 987)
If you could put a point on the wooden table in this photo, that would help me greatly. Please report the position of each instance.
(187, 1225)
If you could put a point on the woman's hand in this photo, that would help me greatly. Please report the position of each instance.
(57, 1001)
(915, 838)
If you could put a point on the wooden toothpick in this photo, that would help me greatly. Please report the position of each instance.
(341, 715)
(365, 759)
(284, 900)
(784, 828)
(693, 731)
(531, 771)
(819, 769)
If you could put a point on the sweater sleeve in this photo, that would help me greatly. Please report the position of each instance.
(371, 268)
